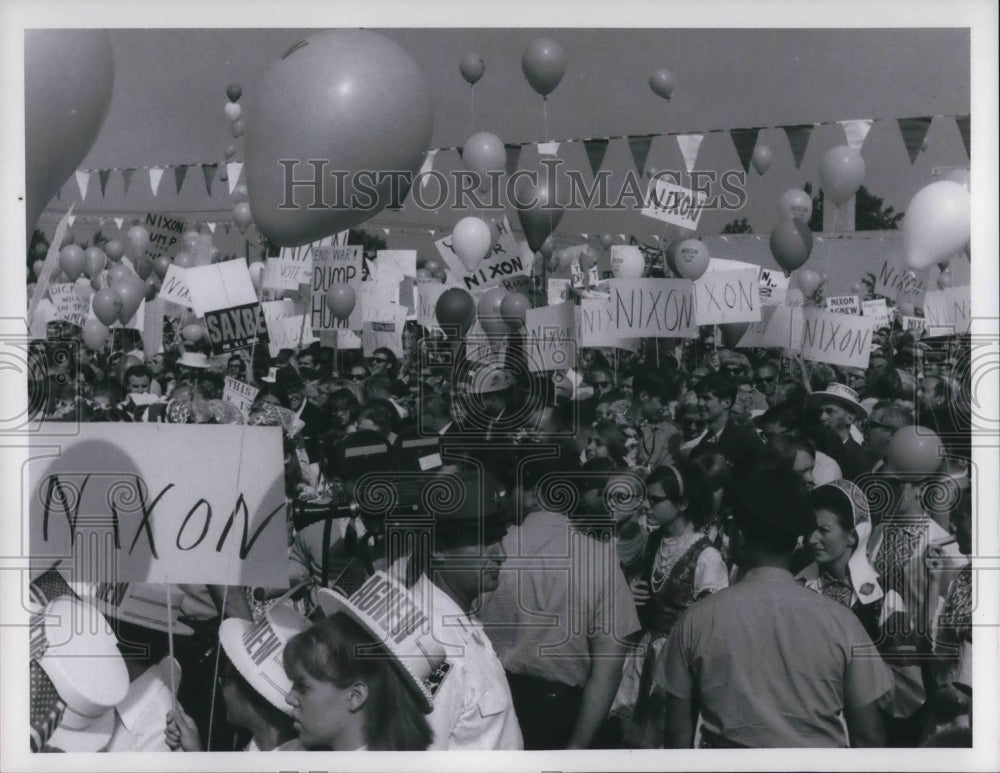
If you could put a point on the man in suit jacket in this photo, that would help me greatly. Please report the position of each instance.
(736, 442)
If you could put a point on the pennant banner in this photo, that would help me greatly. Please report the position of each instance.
(596, 150)
(155, 175)
(513, 156)
(914, 130)
(745, 140)
(208, 170)
(963, 128)
(856, 131)
(640, 146)
(689, 145)
(102, 177)
(83, 182)
(180, 172)
(798, 138)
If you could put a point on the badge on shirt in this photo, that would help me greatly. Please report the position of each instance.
(437, 677)
(867, 589)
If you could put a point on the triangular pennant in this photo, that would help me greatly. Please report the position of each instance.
(689, 144)
(745, 140)
(126, 180)
(102, 177)
(211, 226)
(385, 231)
(963, 129)
(180, 172)
(82, 182)
(513, 156)
(914, 130)
(639, 145)
(209, 171)
(155, 175)
(547, 148)
(596, 149)
(426, 168)
(71, 219)
(432, 231)
(585, 235)
(461, 153)
(798, 138)
(856, 131)
(119, 221)
(233, 169)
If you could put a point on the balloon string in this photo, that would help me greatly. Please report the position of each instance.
(215, 673)
(472, 110)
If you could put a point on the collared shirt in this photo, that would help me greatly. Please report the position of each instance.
(771, 664)
(141, 717)
(558, 587)
(473, 708)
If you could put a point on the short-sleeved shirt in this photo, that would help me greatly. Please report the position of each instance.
(558, 587)
(771, 664)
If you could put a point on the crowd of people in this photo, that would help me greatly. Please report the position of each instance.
(682, 546)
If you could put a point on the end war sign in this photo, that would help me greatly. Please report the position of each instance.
(161, 504)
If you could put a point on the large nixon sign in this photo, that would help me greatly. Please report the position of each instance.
(161, 503)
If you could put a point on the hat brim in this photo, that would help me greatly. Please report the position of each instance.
(857, 409)
(92, 738)
(332, 602)
(230, 637)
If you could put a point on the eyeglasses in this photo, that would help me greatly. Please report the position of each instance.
(358, 377)
(867, 425)
(379, 359)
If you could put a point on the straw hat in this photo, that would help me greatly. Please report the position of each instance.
(841, 395)
(197, 360)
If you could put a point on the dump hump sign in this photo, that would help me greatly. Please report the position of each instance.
(162, 503)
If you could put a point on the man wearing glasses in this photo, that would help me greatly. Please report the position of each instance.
(765, 382)
(886, 417)
(383, 361)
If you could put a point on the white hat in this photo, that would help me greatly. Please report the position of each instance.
(271, 377)
(394, 617)
(193, 360)
(138, 603)
(256, 650)
(491, 378)
(842, 395)
(79, 677)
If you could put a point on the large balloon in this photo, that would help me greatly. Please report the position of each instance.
(361, 104)
(692, 259)
(455, 308)
(236, 128)
(137, 241)
(628, 264)
(95, 261)
(514, 308)
(914, 450)
(606, 240)
(184, 259)
(114, 250)
(761, 159)
(160, 265)
(66, 97)
(490, 316)
(192, 333)
(240, 193)
(37, 267)
(538, 207)
(233, 111)
(104, 306)
(670, 255)
(544, 64)
(808, 281)
(72, 260)
(234, 91)
(841, 173)
(791, 243)
(472, 68)
(795, 202)
(340, 299)
(662, 83)
(483, 153)
(82, 288)
(937, 224)
(242, 216)
(472, 241)
(143, 267)
(95, 334)
(128, 294)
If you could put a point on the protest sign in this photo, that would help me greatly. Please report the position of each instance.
(395, 265)
(772, 285)
(654, 308)
(506, 260)
(160, 503)
(234, 328)
(288, 333)
(843, 304)
(880, 313)
(949, 311)
(838, 339)
(674, 204)
(594, 326)
(727, 296)
(485, 349)
(550, 337)
(428, 292)
(202, 249)
(894, 280)
(385, 329)
(558, 291)
(239, 394)
(68, 305)
(332, 265)
(220, 286)
(175, 287)
(779, 326)
(165, 234)
(913, 324)
(281, 275)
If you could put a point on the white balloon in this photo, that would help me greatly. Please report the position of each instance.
(233, 110)
(937, 224)
(472, 241)
(256, 274)
(627, 262)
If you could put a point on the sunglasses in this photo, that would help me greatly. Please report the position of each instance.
(358, 377)
(867, 425)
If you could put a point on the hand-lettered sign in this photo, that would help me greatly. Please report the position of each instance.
(843, 304)
(550, 337)
(839, 339)
(656, 308)
(949, 311)
(674, 204)
(239, 394)
(727, 296)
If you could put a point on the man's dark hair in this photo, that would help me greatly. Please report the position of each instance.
(718, 384)
(656, 385)
(773, 510)
(137, 370)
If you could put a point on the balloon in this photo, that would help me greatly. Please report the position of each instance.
(41, 249)
(791, 243)
(184, 259)
(423, 275)
(234, 91)
(587, 258)
(662, 83)
(95, 334)
(98, 282)
(692, 259)
(761, 159)
(242, 215)
(94, 261)
(514, 308)
(732, 332)
(240, 193)
(340, 300)
(670, 255)
(471, 241)
(628, 264)
(192, 332)
(795, 203)
(606, 240)
(543, 63)
(537, 208)
(114, 250)
(144, 267)
(434, 267)
(937, 224)
(230, 152)
(160, 265)
(233, 111)
(472, 68)
(841, 173)
(945, 279)
(137, 241)
(72, 261)
(483, 153)
(82, 288)
(37, 267)
(856, 288)
(236, 128)
(66, 99)
(68, 238)
(455, 308)
(960, 176)
(546, 248)
(104, 306)
(152, 287)
(128, 294)
(808, 281)
(361, 103)
(490, 315)
(190, 240)
(914, 450)
(256, 275)
(652, 171)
